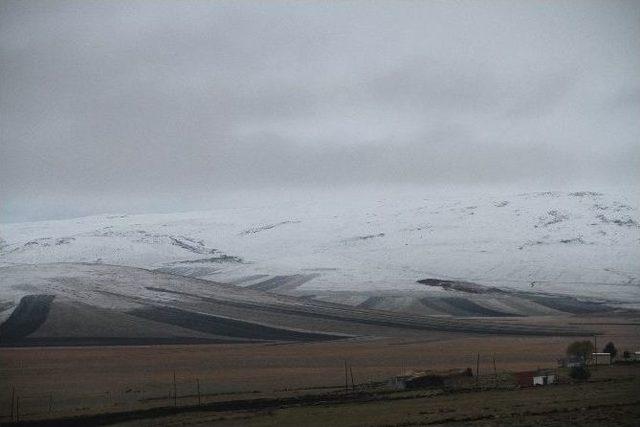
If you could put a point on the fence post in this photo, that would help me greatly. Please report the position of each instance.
(175, 392)
(495, 372)
(346, 381)
(18, 409)
(198, 384)
(477, 370)
(13, 400)
(353, 385)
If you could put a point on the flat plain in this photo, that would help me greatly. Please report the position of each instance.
(62, 382)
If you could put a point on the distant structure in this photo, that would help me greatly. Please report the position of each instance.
(424, 379)
(571, 362)
(535, 378)
(544, 378)
(601, 358)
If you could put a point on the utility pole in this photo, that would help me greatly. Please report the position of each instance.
(495, 372)
(175, 390)
(346, 380)
(353, 386)
(13, 400)
(477, 369)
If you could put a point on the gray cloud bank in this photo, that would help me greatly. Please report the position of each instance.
(171, 100)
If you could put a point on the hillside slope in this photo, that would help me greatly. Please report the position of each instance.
(581, 244)
(83, 304)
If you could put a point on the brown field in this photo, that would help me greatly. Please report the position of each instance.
(72, 381)
(611, 397)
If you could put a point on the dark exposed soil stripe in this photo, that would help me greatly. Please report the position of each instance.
(270, 284)
(5, 305)
(225, 327)
(282, 282)
(386, 319)
(455, 285)
(28, 316)
(473, 309)
(440, 305)
(115, 341)
(371, 302)
(567, 304)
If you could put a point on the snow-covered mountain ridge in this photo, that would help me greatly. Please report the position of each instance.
(581, 243)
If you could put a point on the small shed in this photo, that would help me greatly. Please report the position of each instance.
(544, 378)
(534, 378)
(601, 358)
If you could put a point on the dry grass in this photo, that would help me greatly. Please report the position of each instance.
(107, 379)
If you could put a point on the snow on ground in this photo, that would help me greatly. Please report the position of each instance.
(581, 243)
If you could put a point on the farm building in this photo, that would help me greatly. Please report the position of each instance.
(601, 358)
(545, 378)
(426, 379)
(534, 378)
(571, 362)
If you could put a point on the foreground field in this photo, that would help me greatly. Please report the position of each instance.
(610, 398)
(56, 383)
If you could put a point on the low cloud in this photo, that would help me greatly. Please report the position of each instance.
(173, 100)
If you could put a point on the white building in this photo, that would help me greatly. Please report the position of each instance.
(601, 358)
(544, 379)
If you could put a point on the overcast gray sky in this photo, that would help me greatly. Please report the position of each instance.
(150, 105)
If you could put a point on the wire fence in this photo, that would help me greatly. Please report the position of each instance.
(23, 406)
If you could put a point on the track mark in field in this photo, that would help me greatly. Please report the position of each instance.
(223, 326)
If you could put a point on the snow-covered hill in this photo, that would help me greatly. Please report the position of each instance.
(582, 243)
